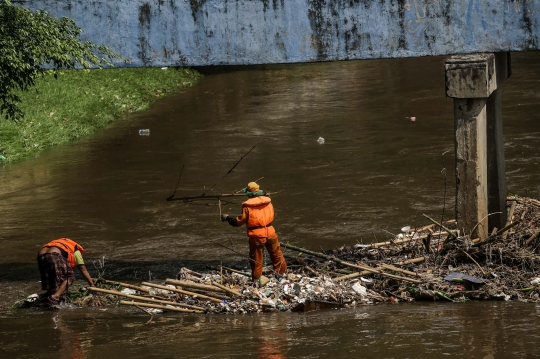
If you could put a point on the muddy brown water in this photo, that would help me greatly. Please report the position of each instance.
(376, 172)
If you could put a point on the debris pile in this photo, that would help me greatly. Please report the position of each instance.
(434, 262)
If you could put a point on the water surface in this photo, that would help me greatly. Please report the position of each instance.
(376, 172)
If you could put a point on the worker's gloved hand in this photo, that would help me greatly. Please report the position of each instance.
(224, 217)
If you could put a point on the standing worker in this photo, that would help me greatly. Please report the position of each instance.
(56, 261)
(258, 215)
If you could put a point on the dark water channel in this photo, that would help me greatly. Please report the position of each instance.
(376, 172)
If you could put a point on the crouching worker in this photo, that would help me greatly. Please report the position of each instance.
(56, 261)
(258, 215)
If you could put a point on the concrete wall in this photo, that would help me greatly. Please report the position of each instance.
(232, 32)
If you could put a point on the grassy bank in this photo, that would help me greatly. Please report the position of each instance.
(80, 102)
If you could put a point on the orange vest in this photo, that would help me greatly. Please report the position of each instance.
(68, 246)
(260, 217)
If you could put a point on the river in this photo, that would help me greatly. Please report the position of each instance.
(376, 172)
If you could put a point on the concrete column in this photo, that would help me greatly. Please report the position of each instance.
(472, 81)
(495, 151)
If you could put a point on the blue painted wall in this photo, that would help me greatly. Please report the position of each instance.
(238, 32)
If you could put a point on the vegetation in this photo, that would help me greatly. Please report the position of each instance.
(31, 43)
(79, 102)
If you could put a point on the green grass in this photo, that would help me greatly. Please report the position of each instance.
(80, 102)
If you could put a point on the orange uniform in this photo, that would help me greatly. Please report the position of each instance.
(258, 215)
(69, 247)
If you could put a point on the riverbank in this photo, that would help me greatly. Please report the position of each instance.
(80, 102)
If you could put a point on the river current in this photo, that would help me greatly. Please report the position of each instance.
(377, 171)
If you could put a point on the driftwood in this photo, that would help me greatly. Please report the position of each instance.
(144, 299)
(347, 264)
(157, 306)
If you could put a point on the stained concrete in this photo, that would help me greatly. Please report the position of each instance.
(241, 32)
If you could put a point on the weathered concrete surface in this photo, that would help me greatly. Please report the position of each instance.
(474, 83)
(232, 32)
(471, 166)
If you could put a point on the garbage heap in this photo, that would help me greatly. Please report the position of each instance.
(434, 262)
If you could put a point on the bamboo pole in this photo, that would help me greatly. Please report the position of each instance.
(532, 238)
(394, 268)
(192, 272)
(411, 261)
(383, 265)
(159, 307)
(181, 291)
(236, 271)
(509, 219)
(183, 283)
(126, 285)
(440, 225)
(152, 300)
(350, 276)
(475, 262)
(478, 241)
(229, 290)
(347, 264)
(313, 271)
(144, 310)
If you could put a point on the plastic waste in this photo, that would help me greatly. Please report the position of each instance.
(360, 289)
(413, 119)
(406, 229)
(32, 298)
(320, 140)
(361, 245)
(461, 277)
(128, 291)
(144, 132)
(164, 68)
(535, 281)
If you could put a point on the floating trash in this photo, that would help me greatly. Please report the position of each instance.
(411, 269)
(320, 140)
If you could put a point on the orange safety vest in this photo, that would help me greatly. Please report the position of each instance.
(68, 246)
(260, 217)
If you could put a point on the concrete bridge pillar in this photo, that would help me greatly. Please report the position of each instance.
(473, 81)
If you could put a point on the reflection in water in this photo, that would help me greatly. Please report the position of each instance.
(377, 171)
(471, 330)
